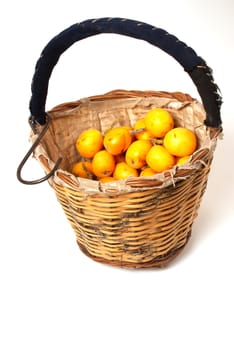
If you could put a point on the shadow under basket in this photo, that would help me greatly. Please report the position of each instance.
(139, 222)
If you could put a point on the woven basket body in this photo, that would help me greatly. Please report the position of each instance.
(139, 222)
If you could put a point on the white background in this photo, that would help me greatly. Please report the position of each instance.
(51, 295)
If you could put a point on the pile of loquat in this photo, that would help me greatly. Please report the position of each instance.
(150, 146)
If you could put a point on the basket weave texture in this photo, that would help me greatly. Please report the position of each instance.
(138, 222)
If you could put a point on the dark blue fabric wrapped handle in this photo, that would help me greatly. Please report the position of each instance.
(193, 64)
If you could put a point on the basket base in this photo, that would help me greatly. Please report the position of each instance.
(158, 262)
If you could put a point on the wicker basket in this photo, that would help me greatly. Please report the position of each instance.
(141, 221)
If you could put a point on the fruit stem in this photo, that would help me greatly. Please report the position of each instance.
(156, 141)
(137, 131)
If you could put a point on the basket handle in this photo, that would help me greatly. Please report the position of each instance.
(193, 64)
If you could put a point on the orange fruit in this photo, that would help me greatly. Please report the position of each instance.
(106, 179)
(103, 164)
(89, 142)
(117, 140)
(158, 122)
(159, 159)
(147, 172)
(140, 131)
(180, 142)
(123, 171)
(83, 169)
(136, 153)
(182, 160)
